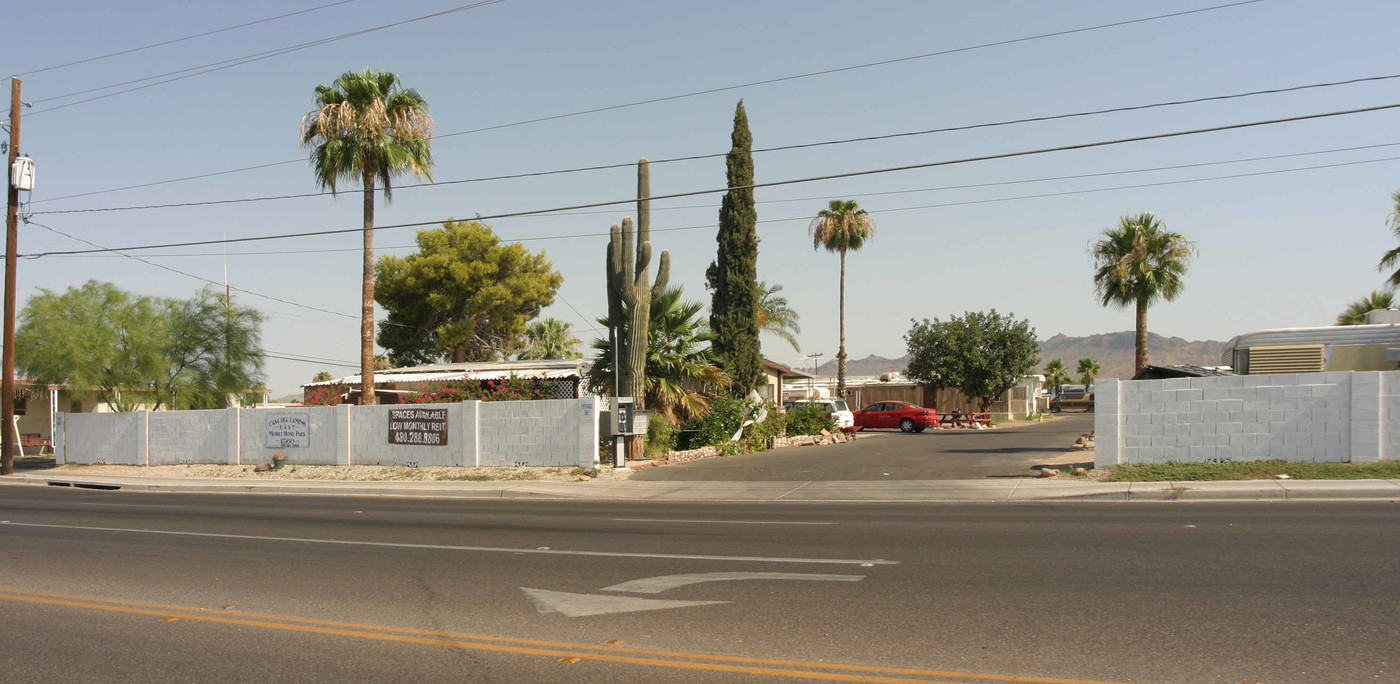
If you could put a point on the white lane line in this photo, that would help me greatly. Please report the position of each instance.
(720, 522)
(542, 551)
(130, 505)
(656, 585)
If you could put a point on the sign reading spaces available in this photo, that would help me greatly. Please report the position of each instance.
(289, 430)
(418, 426)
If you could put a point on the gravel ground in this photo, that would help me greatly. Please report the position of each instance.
(359, 473)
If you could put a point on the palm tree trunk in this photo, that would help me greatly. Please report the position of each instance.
(367, 397)
(1140, 357)
(841, 351)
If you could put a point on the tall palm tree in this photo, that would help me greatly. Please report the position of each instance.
(680, 369)
(1056, 374)
(1088, 370)
(841, 227)
(1355, 313)
(1392, 257)
(775, 316)
(550, 338)
(368, 127)
(1137, 263)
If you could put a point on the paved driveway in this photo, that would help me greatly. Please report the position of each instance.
(894, 455)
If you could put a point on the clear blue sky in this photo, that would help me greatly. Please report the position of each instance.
(1287, 249)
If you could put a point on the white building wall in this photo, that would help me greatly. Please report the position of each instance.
(1318, 417)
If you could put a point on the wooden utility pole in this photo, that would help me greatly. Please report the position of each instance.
(7, 387)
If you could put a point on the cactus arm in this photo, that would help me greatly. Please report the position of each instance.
(644, 200)
(625, 287)
(663, 274)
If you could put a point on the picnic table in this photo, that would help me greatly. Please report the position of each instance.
(965, 419)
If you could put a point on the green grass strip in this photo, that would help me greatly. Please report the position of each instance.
(1252, 470)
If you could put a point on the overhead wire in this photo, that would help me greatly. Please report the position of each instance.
(793, 181)
(598, 167)
(811, 198)
(732, 87)
(183, 39)
(177, 271)
(290, 356)
(211, 67)
(807, 218)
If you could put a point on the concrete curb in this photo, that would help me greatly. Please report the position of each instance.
(925, 491)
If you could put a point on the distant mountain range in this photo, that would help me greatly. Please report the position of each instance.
(1113, 351)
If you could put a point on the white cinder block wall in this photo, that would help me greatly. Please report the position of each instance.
(560, 432)
(1334, 416)
(327, 425)
(191, 437)
(111, 438)
(369, 437)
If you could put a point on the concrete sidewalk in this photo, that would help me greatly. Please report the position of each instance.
(969, 491)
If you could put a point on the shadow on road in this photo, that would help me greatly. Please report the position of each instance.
(1007, 450)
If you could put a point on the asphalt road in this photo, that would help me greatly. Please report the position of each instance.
(955, 454)
(339, 589)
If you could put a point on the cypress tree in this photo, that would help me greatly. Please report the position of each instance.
(733, 276)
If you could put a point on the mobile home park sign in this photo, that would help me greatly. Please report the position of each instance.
(418, 426)
(287, 430)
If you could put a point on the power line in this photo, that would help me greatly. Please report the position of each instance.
(291, 356)
(964, 186)
(191, 275)
(239, 61)
(883, 211)
(185, 38)
(867, 65)
(580, 315)
(310, 361)
(810, 179)
(599, 167)
(732, 87)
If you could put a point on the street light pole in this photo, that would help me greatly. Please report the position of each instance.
(7, 385)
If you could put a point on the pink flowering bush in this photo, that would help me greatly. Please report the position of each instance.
(508, 389)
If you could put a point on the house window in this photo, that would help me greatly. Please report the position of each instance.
(75, 406)
(21, 403)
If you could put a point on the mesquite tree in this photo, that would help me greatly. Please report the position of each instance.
(629, 298)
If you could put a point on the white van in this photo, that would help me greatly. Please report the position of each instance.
(836, 408)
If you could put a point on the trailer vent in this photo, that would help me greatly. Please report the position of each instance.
(1300, 358)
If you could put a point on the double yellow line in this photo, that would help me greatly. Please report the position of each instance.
(565, 652)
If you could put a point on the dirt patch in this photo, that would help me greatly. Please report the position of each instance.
(362, 473)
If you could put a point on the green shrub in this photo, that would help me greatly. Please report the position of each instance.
(756, 436)
(661, 436)
(727, 413)
(809, 419)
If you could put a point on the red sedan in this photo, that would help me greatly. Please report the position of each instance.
(891, 414)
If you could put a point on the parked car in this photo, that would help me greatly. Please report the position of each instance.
(835, 408)
(1073, 399)
(897, 414)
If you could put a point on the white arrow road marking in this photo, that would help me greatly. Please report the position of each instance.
(581, 605)
(656, 585)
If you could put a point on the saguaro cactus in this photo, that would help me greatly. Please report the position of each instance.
(629, 297)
